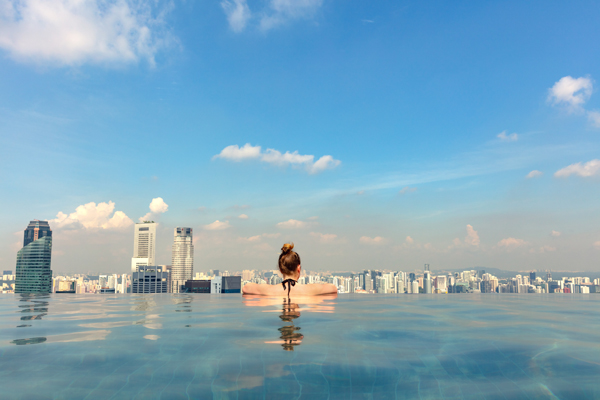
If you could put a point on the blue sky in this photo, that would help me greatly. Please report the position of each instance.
(433, 116)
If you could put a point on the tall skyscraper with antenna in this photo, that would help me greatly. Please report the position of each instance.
(182, 265)
(427, 280)
(33, 273)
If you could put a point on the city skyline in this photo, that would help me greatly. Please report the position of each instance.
(370, 135)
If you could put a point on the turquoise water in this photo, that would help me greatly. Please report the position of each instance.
(202, 346)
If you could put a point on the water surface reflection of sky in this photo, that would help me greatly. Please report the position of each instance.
(228, 346)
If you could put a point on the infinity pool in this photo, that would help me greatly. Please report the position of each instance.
(202, 346)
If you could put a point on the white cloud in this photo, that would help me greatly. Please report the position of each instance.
(513, 137)
(237, 153)
(511, 243)
(324, 237)
(360, 192)
(238, 13)
(534, 174)
(271, 235)
(282, 11)
(597, 244)
(93, 216)
(594, 118)
(407, 189)
(588, 169)
(547, 249)
(292, 224)
(217, 226)
(242, 216)
(313, 218)
(251, 239)
(472, 237)
(258, 238)
(571, 92)
(323, 163)
(555, 233)
(157, 206)
(74, 32)
(372, 240)
(409, 240)
(275, 157)
(543, 249)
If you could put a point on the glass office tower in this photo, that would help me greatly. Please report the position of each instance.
(182, 265)
(33, 274)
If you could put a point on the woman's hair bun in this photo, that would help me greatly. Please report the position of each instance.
(287, 248)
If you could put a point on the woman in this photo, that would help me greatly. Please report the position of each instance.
(289, 266)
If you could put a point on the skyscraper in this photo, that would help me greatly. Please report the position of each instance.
(33, 274)
(427, 280)
(144, 245)
(182, 266)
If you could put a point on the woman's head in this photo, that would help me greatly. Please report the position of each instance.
(289, 260)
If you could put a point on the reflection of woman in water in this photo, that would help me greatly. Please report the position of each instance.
(289, 266)
(289, 334)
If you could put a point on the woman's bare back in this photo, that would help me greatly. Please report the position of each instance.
(313, 289)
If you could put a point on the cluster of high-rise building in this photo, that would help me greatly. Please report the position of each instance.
(33, 274)
(471, 281)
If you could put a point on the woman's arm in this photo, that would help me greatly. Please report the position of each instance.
(251, 288)
(324, 288)
(255, 288)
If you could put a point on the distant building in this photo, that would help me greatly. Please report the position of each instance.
(7, 272)
(182, 266)
(532, 276)
(231, 284)
(427, 280)
(67, 286)
(197, 286)
(33, 273)
(149, 279)
(144, 245)
(226, 284)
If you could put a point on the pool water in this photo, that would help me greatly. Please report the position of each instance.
(201, 346)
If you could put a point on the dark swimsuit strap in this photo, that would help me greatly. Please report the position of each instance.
(290, 283)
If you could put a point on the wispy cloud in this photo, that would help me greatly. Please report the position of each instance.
(72, 32)
(555, 233)
(594, 118)
(324, 237)
(471, 240)
(372, 240)
(588, 169)
(275, 13)
(472, 237)
(217, 226)
(571, 92)
(237, 12)
(242, 216)
(275, 157)
(511, 137)
(279, 12)
(294, 224)
(534, 174)
(511, 243)
(407, 189)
